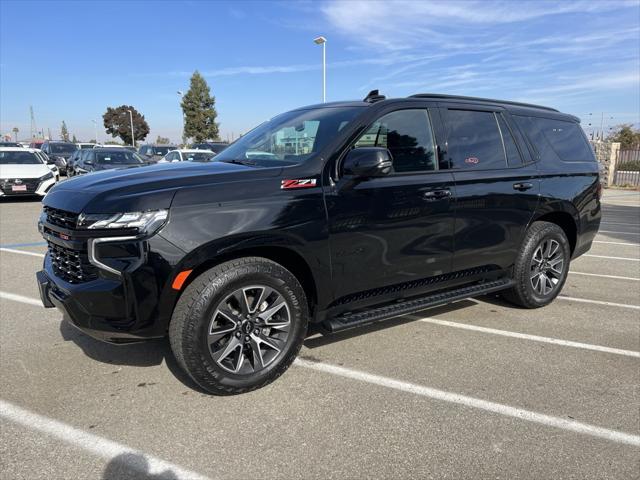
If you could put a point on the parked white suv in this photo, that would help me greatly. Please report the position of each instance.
(22, 172)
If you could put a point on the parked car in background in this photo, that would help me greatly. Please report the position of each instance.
(186, 155)
(98, 159)
(36, 144)
(153, 153)
(215, 147)
(22, 172)
(60, 152)
(73, 159)
(10, 144)
(83, 146)
(48, 162)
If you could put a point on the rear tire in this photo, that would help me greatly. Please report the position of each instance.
(541, 267)
(239, 325)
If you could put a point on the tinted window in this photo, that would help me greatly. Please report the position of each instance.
(407, 135)
(161, 150)
(565, 139)
(123, 157)
(474, 140)
(197, 156)
(18, 158)
(510, 148)
(62, 147)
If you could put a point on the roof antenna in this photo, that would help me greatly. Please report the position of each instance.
(373, 96)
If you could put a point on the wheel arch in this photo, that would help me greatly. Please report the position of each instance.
(202, 259)
(565, 220)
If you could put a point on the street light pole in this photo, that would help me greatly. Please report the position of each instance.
(323, 41)
(182, 96)
(95, 127)
(133, 137)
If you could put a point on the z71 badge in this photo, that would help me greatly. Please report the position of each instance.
(298, 183)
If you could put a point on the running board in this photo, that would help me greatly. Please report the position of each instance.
(351, 320)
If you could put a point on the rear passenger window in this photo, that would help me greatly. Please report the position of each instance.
(510, 148)
(474, 140)
(565, 139)
(407, 135)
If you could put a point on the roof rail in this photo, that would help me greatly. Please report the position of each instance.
(373, 96)
(478, 99)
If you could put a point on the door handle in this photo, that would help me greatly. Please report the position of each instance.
(436, 194)
(522, 186)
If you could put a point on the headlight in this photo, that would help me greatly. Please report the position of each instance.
(47, 176)
(145, 222)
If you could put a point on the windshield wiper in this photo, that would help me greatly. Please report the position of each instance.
(249, 163)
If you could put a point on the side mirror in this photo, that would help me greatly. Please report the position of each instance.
(366, 162)
(50, 161)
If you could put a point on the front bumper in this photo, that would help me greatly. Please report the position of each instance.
(117, 305)
(34, 187)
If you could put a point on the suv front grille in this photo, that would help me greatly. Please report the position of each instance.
(71, 265)
(61, 218)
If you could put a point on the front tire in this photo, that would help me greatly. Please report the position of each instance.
(239, 325)
(541, 268)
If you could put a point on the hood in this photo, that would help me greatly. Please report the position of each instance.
(144, 188)
(23, 171)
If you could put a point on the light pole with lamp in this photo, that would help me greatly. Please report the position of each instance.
(181, 94)
(323, 41)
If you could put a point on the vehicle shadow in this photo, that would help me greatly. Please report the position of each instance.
(21, 199)
(133, 466)
(142, 354)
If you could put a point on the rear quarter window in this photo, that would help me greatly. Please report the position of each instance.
(565, 139)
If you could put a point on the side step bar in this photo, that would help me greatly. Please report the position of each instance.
(351, 320)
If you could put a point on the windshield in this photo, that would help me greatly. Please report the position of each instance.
(63, 147)
(19, 158)
(197, 156)
(217, 148)
(289, 138)
(124, 157)
(162, 150)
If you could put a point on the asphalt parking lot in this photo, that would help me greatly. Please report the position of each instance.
(479, 389)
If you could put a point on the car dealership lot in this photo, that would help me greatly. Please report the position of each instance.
(475, 389)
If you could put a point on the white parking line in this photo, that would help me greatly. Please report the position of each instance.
(627, 224)
(471, 402)
(623, 233)
(616, 277)
(534, 338)
(598, 302)
(21, 252)
(19, 298)
(613, 258)
(618, 243)
(99, 446)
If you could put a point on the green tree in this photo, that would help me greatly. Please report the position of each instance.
(628, 137)
(15, 132)
(162, 140)
(64, 132)
(198, 107)
(117, 123)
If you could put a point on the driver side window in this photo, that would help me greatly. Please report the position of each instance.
(407, 135)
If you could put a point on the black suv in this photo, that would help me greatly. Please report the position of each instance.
(59, 152)
(98, 159)
(339, 214)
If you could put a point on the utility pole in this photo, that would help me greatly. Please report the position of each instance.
(133, 137)
(34, 129)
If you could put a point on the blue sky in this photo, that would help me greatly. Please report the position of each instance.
(71, 60)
